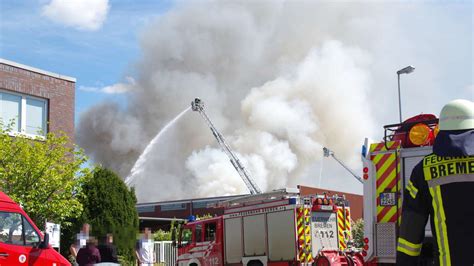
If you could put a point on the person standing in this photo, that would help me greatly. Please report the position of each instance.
(108, 251)
(440, 187)
(81, 240)
(88, 255)
(145, 249)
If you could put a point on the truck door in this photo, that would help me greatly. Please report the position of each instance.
(18, 241)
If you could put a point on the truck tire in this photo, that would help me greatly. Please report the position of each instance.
(350, 260)
(322, 261)
(254, 263)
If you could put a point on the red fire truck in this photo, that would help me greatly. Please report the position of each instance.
(21, 243)
(387, 167)
(276, 228)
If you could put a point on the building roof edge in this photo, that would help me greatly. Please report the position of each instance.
(37, 70)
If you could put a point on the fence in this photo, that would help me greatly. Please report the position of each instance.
(166, 254)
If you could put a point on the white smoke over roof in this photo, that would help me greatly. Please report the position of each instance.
(288, 121)
(279, 79)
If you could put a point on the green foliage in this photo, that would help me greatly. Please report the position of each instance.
(109, 207)
(44, 175)
(126, 261)
(358, 233)
(162, 235)
(203, 217)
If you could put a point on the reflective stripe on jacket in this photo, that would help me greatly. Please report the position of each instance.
(441, 188)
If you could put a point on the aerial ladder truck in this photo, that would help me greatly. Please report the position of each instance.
(279, 227)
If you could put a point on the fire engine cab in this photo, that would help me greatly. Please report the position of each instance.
(275, 228)
(21, 243)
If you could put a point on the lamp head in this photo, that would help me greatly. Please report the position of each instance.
(406, 70)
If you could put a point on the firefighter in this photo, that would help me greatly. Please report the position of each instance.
(441, 187)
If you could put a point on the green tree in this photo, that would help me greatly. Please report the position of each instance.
(109, 207)
(162, 235)
(358, 233)
(44, 175)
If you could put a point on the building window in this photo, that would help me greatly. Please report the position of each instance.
(204, 204)
(141, 209)
(26, 114)
(35, 116)
(173, 207)
(10, 110)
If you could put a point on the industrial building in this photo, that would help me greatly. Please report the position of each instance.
(160, 214)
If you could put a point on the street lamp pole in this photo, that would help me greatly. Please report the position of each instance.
(406, 70)
(399, 99)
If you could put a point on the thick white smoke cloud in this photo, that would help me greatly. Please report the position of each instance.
(279, 79)
(288, 120)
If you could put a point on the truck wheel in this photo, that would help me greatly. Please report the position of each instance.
(193, 264)
(350, 261)
(322, 261)
(255, 263)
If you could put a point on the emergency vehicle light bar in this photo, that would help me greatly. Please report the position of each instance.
(409, 124)
(401, 131)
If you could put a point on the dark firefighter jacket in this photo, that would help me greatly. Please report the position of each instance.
(441, 187)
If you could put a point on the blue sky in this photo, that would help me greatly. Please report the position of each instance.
(103, 57)
(96, 58)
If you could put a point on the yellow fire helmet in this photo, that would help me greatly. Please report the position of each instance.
(457, 115)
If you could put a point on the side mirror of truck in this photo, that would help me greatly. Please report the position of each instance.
(45, 243)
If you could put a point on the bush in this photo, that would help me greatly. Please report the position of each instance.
(162, 235)
(109, 207)
(358, 233)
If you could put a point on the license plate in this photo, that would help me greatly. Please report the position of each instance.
(388, 199)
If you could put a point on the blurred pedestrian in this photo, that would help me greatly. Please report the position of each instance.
(108, 251)
(145, 249)
(88, 255)
(81, 240)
